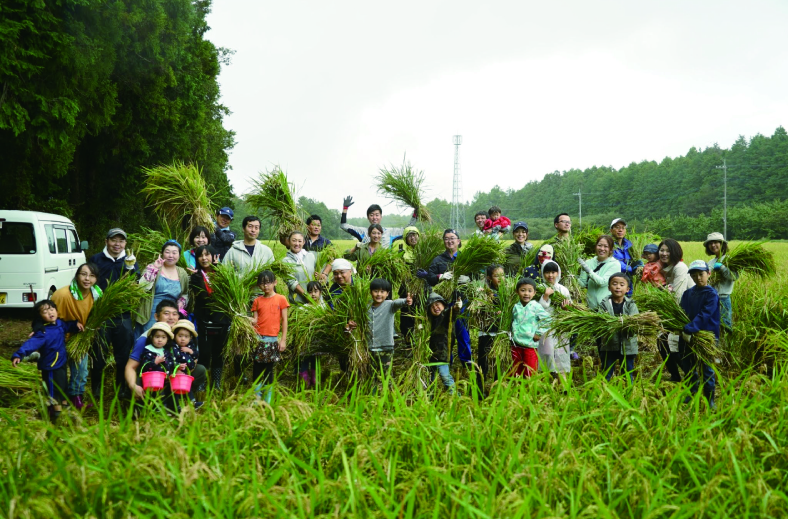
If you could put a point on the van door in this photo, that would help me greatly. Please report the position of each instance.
(63, 271)
(77, 256)
(18, 252)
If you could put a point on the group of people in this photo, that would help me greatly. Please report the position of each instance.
(176, 329)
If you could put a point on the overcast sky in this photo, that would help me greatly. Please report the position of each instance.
(331, 91)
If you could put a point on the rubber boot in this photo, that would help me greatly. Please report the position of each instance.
(53, 414)
(305, 377)
(313, 377)
(216, 378)
(79, 404)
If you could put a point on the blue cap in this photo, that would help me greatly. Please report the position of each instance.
(519, 225)
(226, 211)
(651, 248)
(699, 265)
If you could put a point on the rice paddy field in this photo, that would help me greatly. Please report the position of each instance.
(536, 448)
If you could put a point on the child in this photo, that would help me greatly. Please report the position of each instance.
(380, 316)
(185, 351)
(652, 270)
(439, 316)
(307, 366)
(495, 274)
(158, 350)
(529, 322)
(724, 279)
(517, 250)
(553, 350)
(620, 348)
(49, 340)
(269, 315)
(702, 305)
(496, 225)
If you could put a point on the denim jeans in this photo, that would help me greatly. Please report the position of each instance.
(443, 372)
(78, 376)
(610, 359)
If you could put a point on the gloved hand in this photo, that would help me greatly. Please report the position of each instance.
(446, 276)
(422, 274)
(463, 280)
(496, 228)
(225, 237)
(717, 266)
(637, 265)
(686, 336)
(584, 265)
(458, 304)
(348, 201)
(130, 259)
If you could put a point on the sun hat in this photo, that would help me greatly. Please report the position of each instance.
(715, 236)
(164, 327)
(618, 220)
(186, 324)
(698, 265)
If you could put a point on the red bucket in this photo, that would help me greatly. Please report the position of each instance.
(153, 380)
(181, 383)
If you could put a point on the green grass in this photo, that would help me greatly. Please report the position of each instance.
(529, 450)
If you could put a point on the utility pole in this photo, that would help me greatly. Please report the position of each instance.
(457, 220)
(579, 196)
(724, 169)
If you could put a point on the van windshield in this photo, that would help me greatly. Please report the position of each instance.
(17, 238)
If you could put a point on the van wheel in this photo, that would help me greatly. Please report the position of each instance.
(51, 291)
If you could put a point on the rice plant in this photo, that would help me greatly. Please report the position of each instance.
(122, 296)
(273, 197)
(476, 254)
(590, 326)
(178, 195)
(403, 184)
(566, 252)
(751, 258)
(22, 377)
(232, 295)
(640, 240)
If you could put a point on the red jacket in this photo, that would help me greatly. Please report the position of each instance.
(502, 221)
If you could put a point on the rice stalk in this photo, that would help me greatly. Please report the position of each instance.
(23, 377)
(640, 240)
(326, 257)
(121, 296)
(273, 197)
(179, 196)
(586, 238)
(751, 258)
(429, 246)
(590, 326)
(384, 263)
(417, 375)
(526, 260)
(674, 319)
(147, 243)
(404, 185)
(476, 254)
(232, 295)
(566, 253)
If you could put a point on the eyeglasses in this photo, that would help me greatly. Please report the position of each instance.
(449, 239)
(564, 221)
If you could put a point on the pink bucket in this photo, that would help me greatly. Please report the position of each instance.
(181, 383)
(153, 380)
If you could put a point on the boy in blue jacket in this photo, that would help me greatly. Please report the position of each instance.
(49, 340)
(702, 305)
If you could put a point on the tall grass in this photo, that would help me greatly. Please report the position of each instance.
(603, 450)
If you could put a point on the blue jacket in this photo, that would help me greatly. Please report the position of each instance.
(319, 244)
(702, 305)
(50, 343)
(110, 269)
(621, 253)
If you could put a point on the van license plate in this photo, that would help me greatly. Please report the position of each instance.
(3, 297)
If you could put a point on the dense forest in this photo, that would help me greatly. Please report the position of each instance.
(93, 90)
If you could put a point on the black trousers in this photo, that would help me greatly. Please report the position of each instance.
(485, 362)
(671, 358)
(118, 333)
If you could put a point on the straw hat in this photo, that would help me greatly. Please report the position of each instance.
(163, 327)
(186, 324)
(715, 236)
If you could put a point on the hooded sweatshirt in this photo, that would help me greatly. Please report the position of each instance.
(304, 272)
(596, 282)
(407, 251)
(243, 261)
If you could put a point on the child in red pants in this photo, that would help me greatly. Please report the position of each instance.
(529, 322)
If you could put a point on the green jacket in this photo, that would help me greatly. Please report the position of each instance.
(596, 282)
(514, 257)
(527, 321)
(620, 343)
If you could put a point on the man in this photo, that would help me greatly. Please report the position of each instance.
(166, 312)
(249, 253)
(112, 263)
(621, 250)
(343, 278)
(374, 215)
(479, 219)
(563, 226)
(314, 241)
(223, 238)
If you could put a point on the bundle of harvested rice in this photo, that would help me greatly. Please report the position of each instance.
(566, 253)
(326, 257)
(587, 236)
(273, 197)
(751, 258)
(23, 377)
(476, 254)
(430, 246)
(232, 295)
(147, 244)
(384, 263)
(404, 185)
(122, 296)
(179, 196)
(640, 240)
(589, 326)
(673, 319)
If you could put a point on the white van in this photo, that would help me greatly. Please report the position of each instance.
(39, 253)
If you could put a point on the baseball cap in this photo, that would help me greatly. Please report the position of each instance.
(519, 225)
(226, 211)
(618, 220)
(116, 231)
(698, 265)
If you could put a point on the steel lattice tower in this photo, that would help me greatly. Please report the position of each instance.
(457, 209)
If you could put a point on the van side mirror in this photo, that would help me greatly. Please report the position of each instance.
(83, 246)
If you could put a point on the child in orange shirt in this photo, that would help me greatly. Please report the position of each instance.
(652, 270)
(269, 315)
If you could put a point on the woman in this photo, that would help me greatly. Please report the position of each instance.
(304, 271)
(678, 280)
(723, 278)
(407, 319)
(74, 303)
(212, 326)
(362, 251)
(517, 250)
(199, 236)
(165, 280)
(439, 271)
(597, 271)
